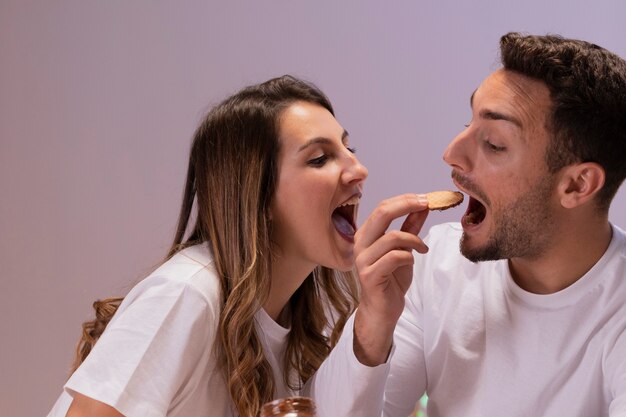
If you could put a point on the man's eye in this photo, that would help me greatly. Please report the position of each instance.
(318, 162)
(494, 148)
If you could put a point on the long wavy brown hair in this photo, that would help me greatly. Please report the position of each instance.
(231, 180)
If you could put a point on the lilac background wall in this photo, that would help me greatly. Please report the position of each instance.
(98, 101)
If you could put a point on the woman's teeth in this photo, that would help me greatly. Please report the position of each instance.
(352, 201)
(343, 217)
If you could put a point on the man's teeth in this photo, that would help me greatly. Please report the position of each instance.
(471, 218)
(354, 200)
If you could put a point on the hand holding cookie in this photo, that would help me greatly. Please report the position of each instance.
(384, 258)
(384, 261)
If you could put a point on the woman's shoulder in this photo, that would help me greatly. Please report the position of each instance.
(189, 272)
(162, 335)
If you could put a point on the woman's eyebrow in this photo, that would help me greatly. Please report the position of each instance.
(322, 140)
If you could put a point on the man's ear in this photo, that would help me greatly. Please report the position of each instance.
(580, 183)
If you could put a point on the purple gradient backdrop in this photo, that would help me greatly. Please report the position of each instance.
(98, 101)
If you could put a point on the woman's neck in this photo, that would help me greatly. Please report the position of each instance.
(287, 276)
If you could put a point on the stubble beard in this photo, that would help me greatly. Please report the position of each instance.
(523, 228)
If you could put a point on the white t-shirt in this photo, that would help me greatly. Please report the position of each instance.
(157, 356)
(481, 346)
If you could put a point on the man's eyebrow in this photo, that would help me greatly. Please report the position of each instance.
(321, 140)
(494, 115)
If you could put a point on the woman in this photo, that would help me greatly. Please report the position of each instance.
(256, 290)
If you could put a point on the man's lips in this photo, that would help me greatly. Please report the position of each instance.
(468, 188)
(476, 209)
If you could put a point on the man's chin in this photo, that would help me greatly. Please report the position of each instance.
(489, 252)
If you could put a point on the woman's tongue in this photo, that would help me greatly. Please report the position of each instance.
(343, 225)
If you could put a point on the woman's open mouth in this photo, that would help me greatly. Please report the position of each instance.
(475, 213)
(344, 217)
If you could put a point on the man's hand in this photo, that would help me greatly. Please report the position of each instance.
(384, 262)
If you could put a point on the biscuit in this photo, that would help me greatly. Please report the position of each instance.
(443, 200)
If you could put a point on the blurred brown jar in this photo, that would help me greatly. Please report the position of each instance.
(289, 407)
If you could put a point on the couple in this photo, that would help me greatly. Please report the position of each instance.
(256, 296)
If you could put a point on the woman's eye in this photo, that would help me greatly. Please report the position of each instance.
(318, 162)
(351, 150)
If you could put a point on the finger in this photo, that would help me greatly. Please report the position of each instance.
(394, 240)
(386, 212)
(378, 272)
(414, 222)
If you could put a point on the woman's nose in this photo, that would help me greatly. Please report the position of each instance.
(355, 171)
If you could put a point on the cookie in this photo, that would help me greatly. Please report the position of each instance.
(443, 200)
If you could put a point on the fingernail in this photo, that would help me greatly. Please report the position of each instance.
(422, 199)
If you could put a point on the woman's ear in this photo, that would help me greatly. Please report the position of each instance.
(580, 183)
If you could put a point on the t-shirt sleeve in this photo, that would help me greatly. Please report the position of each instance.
(407, 377)
(149, 350)
(407, 380)
(344, 387)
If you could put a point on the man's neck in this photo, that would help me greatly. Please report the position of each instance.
(574, 252)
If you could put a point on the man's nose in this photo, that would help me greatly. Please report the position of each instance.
(457, 154)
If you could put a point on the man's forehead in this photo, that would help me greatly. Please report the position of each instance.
(513, 92)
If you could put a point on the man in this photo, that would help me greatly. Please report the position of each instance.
(528, 318)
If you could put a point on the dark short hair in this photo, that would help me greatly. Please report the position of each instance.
(587, 86)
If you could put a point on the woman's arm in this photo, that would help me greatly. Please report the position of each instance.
(83, 406)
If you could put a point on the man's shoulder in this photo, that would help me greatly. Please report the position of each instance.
(445, 234)
(619, 236)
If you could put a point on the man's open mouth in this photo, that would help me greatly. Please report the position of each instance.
(344, 217)
(475, 213)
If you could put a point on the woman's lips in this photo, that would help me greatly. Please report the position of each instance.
(343, 217)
